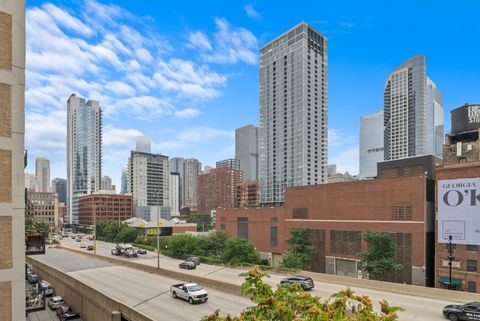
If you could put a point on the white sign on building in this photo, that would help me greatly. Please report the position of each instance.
(459, 210)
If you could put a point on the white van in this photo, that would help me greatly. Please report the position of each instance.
(47, 287)
(55, 302)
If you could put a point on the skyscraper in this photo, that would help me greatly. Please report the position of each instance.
(176, 166)
(106, 183)
(84, 151)
(143, 144)
(246, 151)
(232, 163)
(124, 182)
(293, 112)
(174, 192)
(31, 182)
(12, 188)
(413, 112)
(42, 171)
(149, 182)
(191, 169)
(59, 186)
(371, 144)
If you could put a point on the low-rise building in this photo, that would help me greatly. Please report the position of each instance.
(107, 206)
(43, 208)
(165, 227)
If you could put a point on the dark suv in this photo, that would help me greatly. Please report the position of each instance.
(194, 259)
(305, 282)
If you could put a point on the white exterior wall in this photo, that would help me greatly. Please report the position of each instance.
(371, 144)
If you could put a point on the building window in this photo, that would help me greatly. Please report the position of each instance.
(462, 160)
(242, 230)
(273, 236)
(471, 265)
(472, 248)
(273, 219)
(402, 212)
(472, 286)
(300, 213)
(222, 227)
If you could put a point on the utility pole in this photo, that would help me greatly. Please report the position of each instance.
(450, 260)
(94, 227)
(158, 233)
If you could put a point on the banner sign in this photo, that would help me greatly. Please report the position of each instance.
(459, 210)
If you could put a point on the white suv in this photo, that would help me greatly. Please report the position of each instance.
(55, 302)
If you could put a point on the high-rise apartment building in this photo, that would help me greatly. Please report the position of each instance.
(218, 189)
(124, 180)
(174, 193)
(84, 151)
(106, 183)
(31, 182)
(246, 151)
(59, 186)
(232, 163)
(191, 169)
(371, 144)
(42, 171)
(413, 112)
(176, 166)
(12, 188)
(293, 112)
(148, 182)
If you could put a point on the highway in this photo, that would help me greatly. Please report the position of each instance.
(417, 308)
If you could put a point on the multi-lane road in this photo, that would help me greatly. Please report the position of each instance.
(149, 293)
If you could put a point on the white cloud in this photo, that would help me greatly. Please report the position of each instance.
(343, 151)
(119, 137)
(120, 88)
(66, 20)
(251, 12)
(199, 40)
(187, 113)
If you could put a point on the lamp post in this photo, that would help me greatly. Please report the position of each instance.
(450, 260)
(94, 227)
(158, 240)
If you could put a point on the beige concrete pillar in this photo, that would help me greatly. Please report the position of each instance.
(116, 316)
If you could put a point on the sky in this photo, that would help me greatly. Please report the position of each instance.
(186, 73)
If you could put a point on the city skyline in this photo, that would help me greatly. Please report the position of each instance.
(221, 90)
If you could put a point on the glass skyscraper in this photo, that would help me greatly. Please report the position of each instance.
(293, 112)
(84, 151)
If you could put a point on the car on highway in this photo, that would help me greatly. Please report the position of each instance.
(83, 245)
(70, 316)
(188, 265)
(55, 302)
(64, 308)
(90, 247)
(33, 278)
(78, 240)
(305, 282)
(466, 312)
(192, 292)
(194, 259)
(44, 285)
(141, 251)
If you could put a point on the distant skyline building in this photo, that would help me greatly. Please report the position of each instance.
(124, 180)
(42, 171)
(84, 151)
(246, 151)
(232, 163)
(143, 144)
(31, 182)
(413, 112)
(59, 186)
(174, 193)
(331, 169)
(106, 183)
(217, 188)
(192, 168)
(42, 207)
(371, 144)
(293, 131)
(176, 166)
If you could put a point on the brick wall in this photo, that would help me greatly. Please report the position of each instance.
(5, 301)
(6, 243)
(5, 41)
(5, 176)
(5, 110)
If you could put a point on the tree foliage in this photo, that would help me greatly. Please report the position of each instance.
(299, 250)
(37, 226)
(238, 250)
(113, 231)
(380, 255)
(291, 303)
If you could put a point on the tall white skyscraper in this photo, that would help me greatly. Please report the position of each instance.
(191, 169)
(12, 132)
(293, 112)
(84, 151)
(246, 151)
(143, 144)
(371, 144)
(176, 166)
(413, 112)
(174, 193)
(42, 171)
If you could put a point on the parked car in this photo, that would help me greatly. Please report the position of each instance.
(467, 312)
(90, 247)
(188, 265)
(83, 245)
(141, 251)
(33, 278)
(194, 259)
(47, 287)
(70, 316)
(191, 292)
(305, 282)
(55, 302)
(64, 308)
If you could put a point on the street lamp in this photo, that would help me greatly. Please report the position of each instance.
(158, 239)
(94, 227)
(450, 260)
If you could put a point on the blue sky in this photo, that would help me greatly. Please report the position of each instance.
(185, 73)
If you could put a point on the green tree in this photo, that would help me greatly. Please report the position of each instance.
(127, 234)
(213, 245)
(238, 250)
(380, 255)
(292, 303)
(299, 250)
(181, 246)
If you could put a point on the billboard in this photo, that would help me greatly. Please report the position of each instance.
(459, 210)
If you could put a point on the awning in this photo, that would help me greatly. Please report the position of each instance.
(446, 280)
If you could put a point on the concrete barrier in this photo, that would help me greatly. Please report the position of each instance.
(90, 303)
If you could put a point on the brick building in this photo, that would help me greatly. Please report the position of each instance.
(42, 208)
(107, 207)
(339, 214)
(217, 188)
(247, 194)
